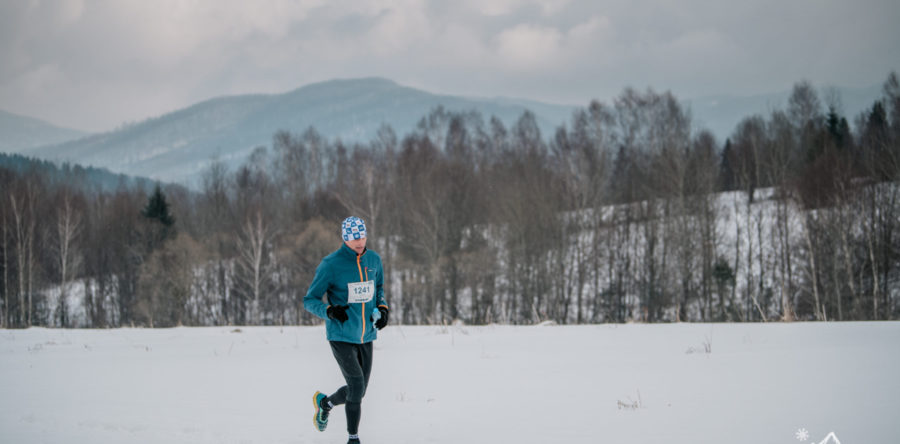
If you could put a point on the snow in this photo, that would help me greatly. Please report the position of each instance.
(759, 383)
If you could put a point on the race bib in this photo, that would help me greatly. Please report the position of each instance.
(360, 292)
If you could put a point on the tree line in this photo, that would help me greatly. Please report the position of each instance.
(628, 213)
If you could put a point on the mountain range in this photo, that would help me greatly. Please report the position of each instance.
(21, 133)
(177, 146)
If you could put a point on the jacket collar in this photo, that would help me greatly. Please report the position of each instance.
(347, 251)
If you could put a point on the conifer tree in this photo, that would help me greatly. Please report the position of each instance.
(160, 220)
(157, 208)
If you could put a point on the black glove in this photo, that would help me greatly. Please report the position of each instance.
(337, 312)
(383, 320)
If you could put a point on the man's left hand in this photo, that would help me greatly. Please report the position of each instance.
(383, 320)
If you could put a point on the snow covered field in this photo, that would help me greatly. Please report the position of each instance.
(759, 383)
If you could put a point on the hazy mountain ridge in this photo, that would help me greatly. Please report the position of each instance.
(86, 179)
(178, 145)
(22, 133)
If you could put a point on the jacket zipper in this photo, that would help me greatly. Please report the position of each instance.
(363, 309)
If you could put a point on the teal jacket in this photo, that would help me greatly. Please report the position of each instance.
(333, 276)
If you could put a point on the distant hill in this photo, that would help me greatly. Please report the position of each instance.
(177, 146)
(20, 134)
(87, 179)
(721, 114)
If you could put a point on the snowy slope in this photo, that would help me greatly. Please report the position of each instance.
(761, 383)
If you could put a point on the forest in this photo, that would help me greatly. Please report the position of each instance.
(628, 213)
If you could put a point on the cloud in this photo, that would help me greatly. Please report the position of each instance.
(93, 64)
(460, 45)
(398, 29)
(551, 7)
(539, 48)
(495, 8)
(69, 11)
(491, 8)
(529, 46)
(592, 39)
(41, 78)
(170, 30)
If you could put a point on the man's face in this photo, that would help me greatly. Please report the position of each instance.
(357, 245)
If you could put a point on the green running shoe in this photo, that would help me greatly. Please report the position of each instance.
(322, 409)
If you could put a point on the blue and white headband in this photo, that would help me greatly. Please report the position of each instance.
(353, 228)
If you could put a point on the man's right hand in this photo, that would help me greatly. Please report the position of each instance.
(337, 312)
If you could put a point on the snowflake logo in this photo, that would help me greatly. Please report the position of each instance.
(802, 435)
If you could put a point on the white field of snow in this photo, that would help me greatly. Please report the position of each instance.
(760, 383)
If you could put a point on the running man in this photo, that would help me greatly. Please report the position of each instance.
(351, 281)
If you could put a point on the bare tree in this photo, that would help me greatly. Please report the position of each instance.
(22, 203)
(779, 161)
(362, 183)
(167, 281)
(813, 271)
(583, 157)
(216, 213)
(69, 259)
(256, 202)
(423, 196)
(254, 261)
(5, 245)
(702, 177)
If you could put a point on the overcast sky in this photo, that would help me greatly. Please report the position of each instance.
(92, 65)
